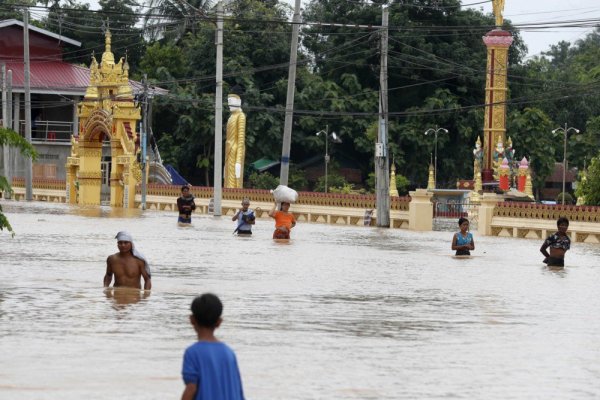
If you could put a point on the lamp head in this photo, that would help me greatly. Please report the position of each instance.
(319, 133)
(576, 130)
(555, 130)
(444, 130)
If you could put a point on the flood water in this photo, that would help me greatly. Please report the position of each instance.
(337, 313)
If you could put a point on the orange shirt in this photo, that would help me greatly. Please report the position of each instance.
(284, 219)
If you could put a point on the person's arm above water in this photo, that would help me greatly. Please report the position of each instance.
(454, 246)
(273, 211)
(189, 392)
(544, 248)
(146, 276)
(237, 215)
(471, 244)
(109, 273)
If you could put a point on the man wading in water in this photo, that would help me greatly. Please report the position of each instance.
(128, 265)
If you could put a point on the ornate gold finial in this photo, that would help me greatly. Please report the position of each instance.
(498, 12)
(431, 180)
(478, 140)
(509, 142)
(393, 187)
(108, 57)
(528, 185)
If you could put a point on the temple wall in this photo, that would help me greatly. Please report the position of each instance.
(495, 217)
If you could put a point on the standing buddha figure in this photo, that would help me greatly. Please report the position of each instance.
(235, 145)
(498, 156)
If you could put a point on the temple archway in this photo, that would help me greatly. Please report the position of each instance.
(107, 112)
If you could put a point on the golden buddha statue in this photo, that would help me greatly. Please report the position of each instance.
(235, 144)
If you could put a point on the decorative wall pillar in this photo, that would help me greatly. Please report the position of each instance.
(420, 211)
(71, 185)
(486, 212)
(522, 179)
(496, 86)
(90, 174)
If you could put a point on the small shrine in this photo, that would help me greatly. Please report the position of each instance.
(108, 112)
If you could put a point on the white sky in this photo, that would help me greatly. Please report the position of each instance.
(545, 11)
(533, 11)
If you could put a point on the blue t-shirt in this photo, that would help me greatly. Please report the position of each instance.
(212, 366)
(463, 241)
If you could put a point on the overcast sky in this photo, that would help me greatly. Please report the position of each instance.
(545, 11)
(532, 11)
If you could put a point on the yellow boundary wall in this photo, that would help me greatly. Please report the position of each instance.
(496, 217)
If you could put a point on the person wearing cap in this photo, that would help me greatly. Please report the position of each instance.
(128, 265)
(245, 218)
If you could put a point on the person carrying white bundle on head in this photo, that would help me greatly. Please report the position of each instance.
(284, 220)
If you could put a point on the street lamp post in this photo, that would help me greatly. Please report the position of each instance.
(336, 139)
(435, 135)
(565, 132)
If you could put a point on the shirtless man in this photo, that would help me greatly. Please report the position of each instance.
(128, 265)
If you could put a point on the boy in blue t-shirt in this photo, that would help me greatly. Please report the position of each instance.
(210, 369)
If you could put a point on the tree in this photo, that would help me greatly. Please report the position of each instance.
(9, 137)
(530, 130)
(588, 187)
(76, 21)
(11, 9)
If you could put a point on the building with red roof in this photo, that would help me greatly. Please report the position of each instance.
(56, 88)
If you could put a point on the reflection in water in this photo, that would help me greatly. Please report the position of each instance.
(335, 313)
(122, 297)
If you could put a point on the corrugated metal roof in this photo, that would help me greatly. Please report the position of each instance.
(51, 77)
(57, 77)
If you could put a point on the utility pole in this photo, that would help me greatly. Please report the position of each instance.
(381, 149)
(5, 124)
(27, 84)
(144, 140)
(8, 124)
(289, 106)
(218, 173)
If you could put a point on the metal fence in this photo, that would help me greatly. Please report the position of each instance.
(447, 212)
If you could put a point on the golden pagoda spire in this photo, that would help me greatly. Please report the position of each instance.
(499, 12)
(431, 180)
(393, 187)
(108, 57)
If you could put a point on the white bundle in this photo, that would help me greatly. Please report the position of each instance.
(284, 194)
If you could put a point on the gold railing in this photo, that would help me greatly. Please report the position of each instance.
(547, 211)
(40, 183)
(261, 195)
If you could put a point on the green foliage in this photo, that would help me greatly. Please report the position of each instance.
(588, 187)
(264, 180)
(335, 182)
(347, 188)
(75, 20)
(530, 130)
(11, 9)
(568, 198)
(402, 184)
(11, 138)
(297, 179)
